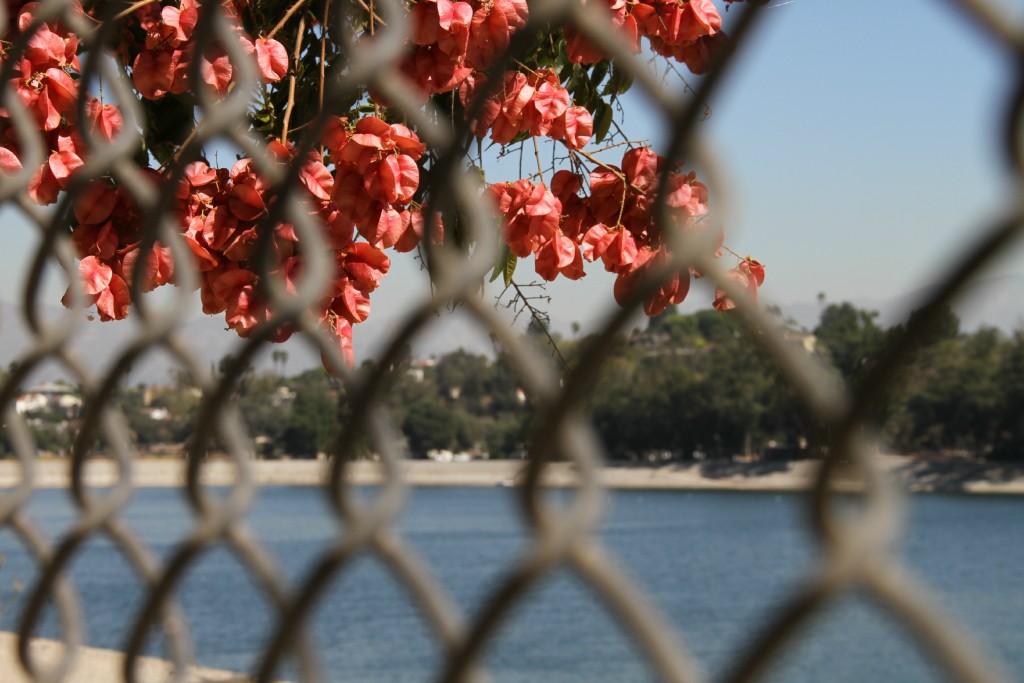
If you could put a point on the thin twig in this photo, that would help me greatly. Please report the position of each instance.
(190, 137)
(123, 14)
(536, 151)
(538, 317)
(284, 20)
(181, 148)
(687, 87)
(373, 15)
(619, 144)
(323, 50)
(291, 82)
(619, 174)
(741, 258)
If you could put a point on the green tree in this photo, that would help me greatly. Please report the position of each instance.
(429, 425)
(850, 339)
(692, 383)
(948, 396)
(1009, 441)
(312, 425)
(462, 377)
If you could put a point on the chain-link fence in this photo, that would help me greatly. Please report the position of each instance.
(856, 551)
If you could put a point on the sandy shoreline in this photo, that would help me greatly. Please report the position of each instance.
(919, 475)
(94, 665)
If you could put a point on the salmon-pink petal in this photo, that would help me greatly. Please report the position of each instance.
(113, 301)
(107, 241)
(9, 161)
(226, 284)
(407, 141)
(106, 119)
(577, 127)
(755, 270)
(551, 100)
(722, 301)
(317, 179)
(46, 113)
(408, 179)
(621, 253)
(62, 89)
(43, 188)
(95, 275)
(382, 177)
(245, 202)
(152, 73)
(365, 264)
(386, 230)
(373, 125)
(341, 330)
(596, 241)
(217, 71)
(272, 58)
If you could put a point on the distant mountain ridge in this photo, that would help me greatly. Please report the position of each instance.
(990, 302)
(98, 344)
(996, 302)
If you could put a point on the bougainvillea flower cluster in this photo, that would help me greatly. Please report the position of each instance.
(362, 183)
(614, 224)
(687, 31)
(162, 65)
(534, 103)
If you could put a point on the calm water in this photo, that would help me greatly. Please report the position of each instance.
(716, 563)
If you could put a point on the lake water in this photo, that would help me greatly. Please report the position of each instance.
(716, 563)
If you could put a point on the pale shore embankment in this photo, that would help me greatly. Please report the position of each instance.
(914, 474)
(93, 665)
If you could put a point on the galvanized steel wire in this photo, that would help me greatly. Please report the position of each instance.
(856, 552)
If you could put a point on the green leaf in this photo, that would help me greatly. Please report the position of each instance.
(598, 74)
(602, 120)
(585, 92)
(624, 81)
(506, 265)
(562, 64)
(565, 72)
(619, 83)
(510, 267)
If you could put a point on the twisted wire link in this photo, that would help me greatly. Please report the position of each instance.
(96, 514)
(856, 551)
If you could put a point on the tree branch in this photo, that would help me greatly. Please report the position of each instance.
(284, 20)
(291, 82)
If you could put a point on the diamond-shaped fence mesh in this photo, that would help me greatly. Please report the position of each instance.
(856, 552)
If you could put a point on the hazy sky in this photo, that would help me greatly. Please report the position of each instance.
(860, 139)
(860, 143)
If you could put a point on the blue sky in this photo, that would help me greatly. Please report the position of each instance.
(860, 139)
(860, 143)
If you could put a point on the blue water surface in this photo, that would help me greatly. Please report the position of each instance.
(717, 565)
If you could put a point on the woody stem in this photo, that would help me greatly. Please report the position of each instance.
(130, 10)
(323, 50)
(284, 20)
(619, 174)
(291, 82)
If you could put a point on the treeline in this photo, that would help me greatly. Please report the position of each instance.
(694, 384)
(688, 386)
